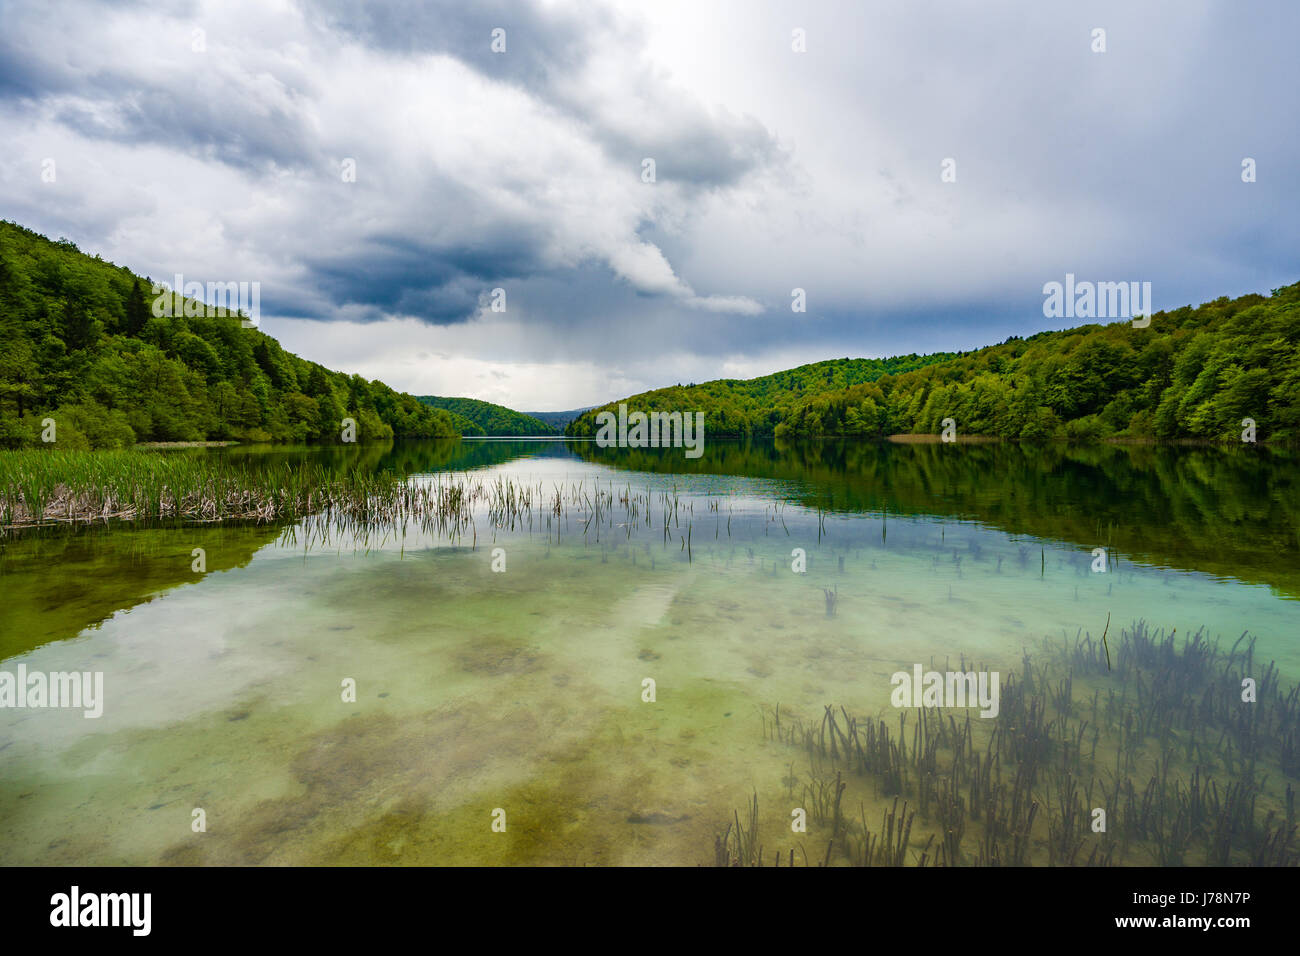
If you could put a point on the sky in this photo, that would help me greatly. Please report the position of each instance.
(919, 169)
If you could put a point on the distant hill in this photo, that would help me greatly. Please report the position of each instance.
(81, 343)
(559, 420)
(490, 419)
(735, 407)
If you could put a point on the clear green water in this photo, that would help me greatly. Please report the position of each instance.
(522, 690)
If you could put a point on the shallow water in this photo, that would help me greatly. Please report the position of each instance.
(523, 689)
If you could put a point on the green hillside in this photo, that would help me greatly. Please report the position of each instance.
(1193, 373)
(466, 426)
(80, 343)
(755, 406)
(490, 419)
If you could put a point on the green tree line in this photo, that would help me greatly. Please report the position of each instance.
(79, 343)
(1193, 373)
(744, 407)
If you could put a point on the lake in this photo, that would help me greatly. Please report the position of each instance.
(595, 678)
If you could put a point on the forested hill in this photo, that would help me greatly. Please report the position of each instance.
(756, 406)
(489, 419)
(79, 343)
(1193, 373)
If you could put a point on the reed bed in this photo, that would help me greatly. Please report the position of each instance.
(48, 487)
(60, 487)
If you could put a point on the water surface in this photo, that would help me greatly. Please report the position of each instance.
(523, 690)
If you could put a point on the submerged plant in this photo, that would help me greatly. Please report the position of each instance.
(1165, 748)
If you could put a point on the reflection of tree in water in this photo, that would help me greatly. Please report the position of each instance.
(60, 580)
(402, 457)
(1224, 510)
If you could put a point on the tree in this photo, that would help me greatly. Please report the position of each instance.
(138, 310)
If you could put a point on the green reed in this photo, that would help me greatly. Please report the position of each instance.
(47, 487)
(51, 487)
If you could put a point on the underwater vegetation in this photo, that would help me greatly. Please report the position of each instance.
(1186, 771)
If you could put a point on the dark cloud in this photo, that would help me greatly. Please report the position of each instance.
(199, 125)
(397, 275)
(541, 43)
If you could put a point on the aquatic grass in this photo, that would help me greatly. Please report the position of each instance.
(52, 486)
(1169, 750)
(39, 487)
(321, 505)
(738, 845)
